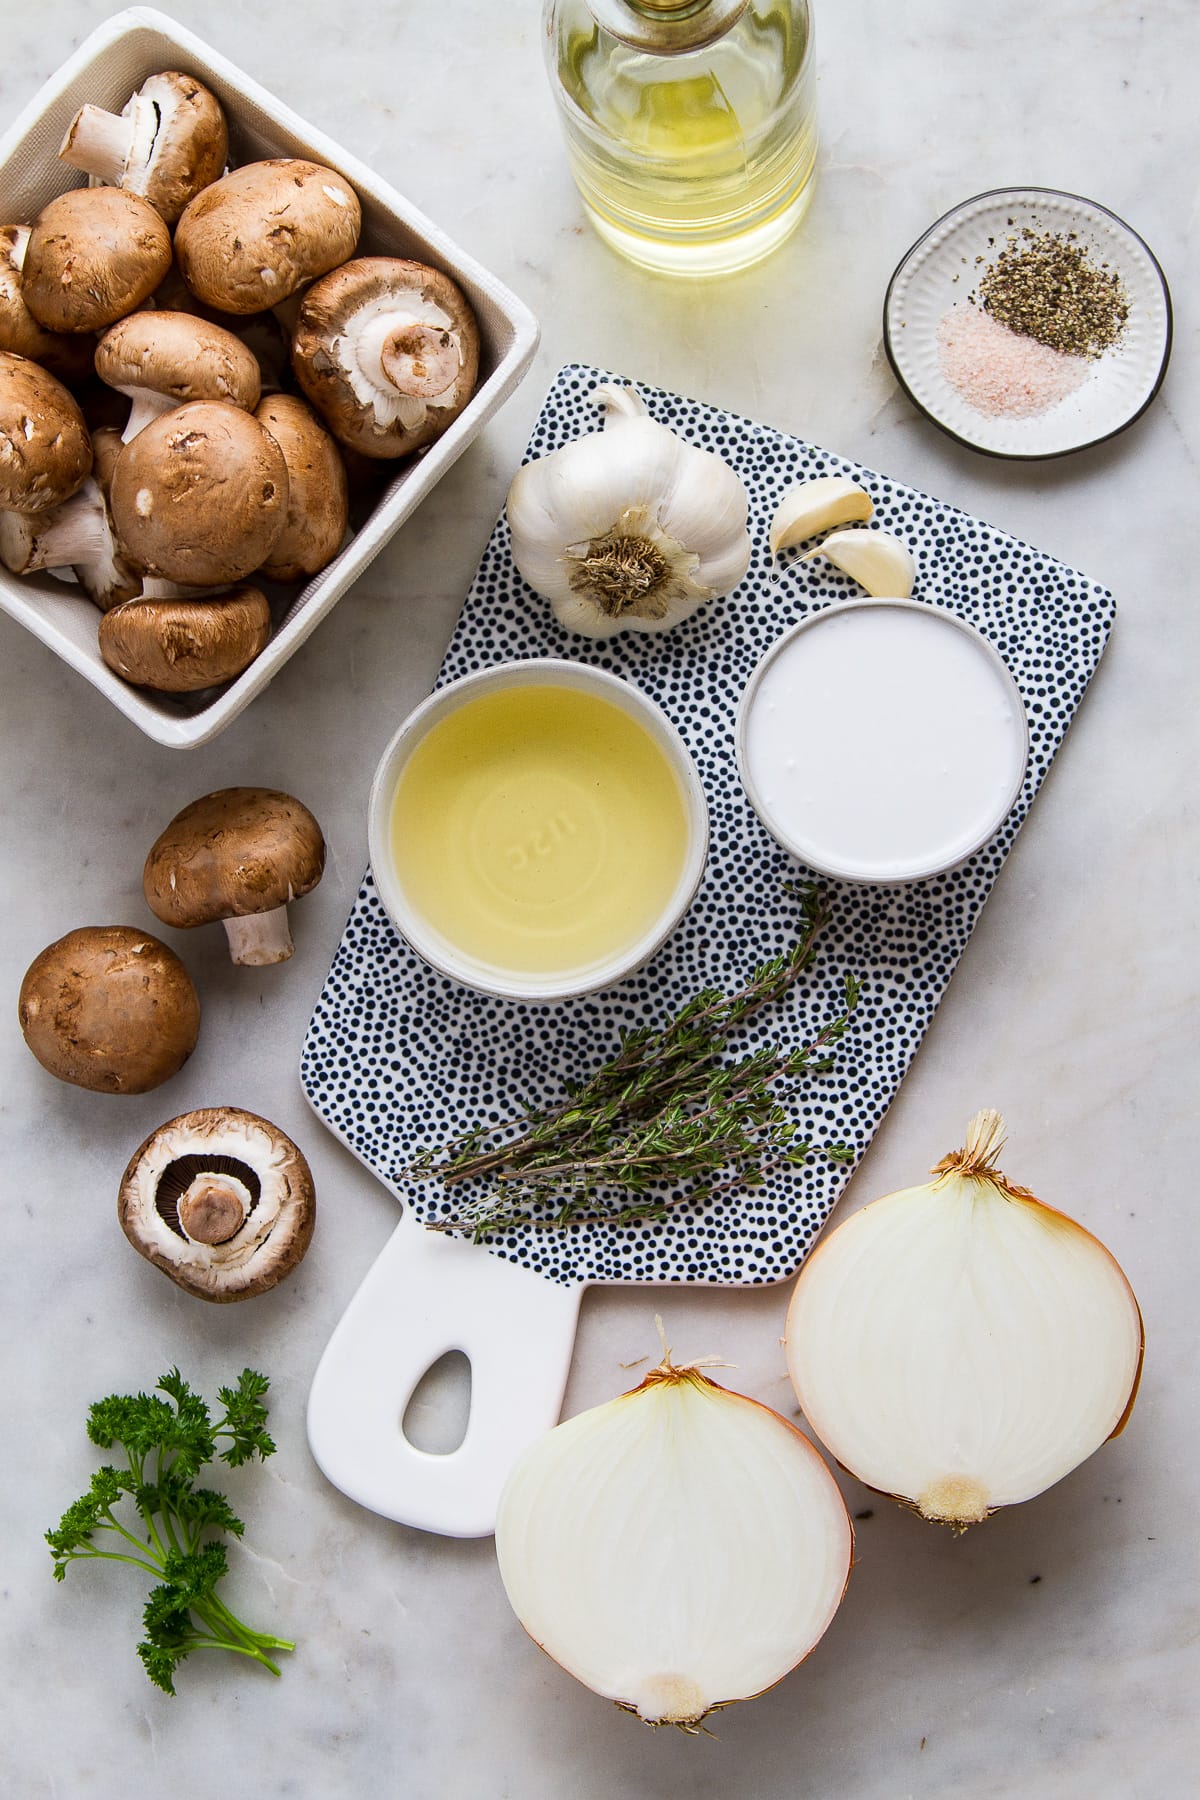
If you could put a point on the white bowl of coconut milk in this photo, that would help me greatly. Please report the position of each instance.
(882, 740)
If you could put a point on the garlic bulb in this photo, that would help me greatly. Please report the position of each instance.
(960, 1345)
(878, 561)
(629, 528)
(676, 1549)
(811, 506)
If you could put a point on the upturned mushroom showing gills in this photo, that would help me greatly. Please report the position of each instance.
(387, 350)
(109, 1008)
(221, 1201)
(168, 142)
(45, 450)
(264, 230)
(238, 856)
(94, 254)
(200, 495)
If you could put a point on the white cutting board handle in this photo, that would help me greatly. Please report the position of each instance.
(426, 1294)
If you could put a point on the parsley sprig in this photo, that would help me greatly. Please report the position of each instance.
(166, 1444)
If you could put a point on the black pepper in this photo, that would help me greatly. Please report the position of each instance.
(1047, 287)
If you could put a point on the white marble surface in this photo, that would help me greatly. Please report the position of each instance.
(1050, 1653)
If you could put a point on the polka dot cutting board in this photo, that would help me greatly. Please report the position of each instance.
(398, 1058)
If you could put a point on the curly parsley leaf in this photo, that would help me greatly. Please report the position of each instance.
(169, 1524)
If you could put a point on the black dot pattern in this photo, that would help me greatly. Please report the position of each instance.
(398, 1058)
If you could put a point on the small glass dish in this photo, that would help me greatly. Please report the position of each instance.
(943, 268)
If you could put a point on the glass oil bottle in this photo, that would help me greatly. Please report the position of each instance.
(690, 124)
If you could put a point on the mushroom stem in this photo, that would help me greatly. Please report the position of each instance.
(74, 532)
(213, 1208)
(421, 360)
(76, 535)
(258, 939)
(100, 142)
(146, 407)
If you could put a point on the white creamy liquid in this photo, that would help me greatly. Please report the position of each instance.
(883, 743)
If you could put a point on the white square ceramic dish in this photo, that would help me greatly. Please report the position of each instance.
(106, 69)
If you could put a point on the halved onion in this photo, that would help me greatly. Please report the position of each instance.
(961, 1346)
(675, 1549)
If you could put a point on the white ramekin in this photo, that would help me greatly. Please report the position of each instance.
(918, 867)
(437, 950)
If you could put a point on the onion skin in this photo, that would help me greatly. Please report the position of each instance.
(962, 1346)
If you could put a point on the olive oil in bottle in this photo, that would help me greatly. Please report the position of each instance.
(690, 124)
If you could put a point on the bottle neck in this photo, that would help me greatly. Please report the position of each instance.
(667, 27)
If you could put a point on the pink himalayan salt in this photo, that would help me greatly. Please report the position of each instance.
(998, 371)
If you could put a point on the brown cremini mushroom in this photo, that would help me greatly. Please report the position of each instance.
(318, 500)
(110, 1008)
(387, 350)
(161, 360)
(200, 495)
(238, 856)
(221, 1201)
(169, 141)
(93, 255)
(263, 230)
(45, 450)
(77, 535)
(69, 357)
(182, 646)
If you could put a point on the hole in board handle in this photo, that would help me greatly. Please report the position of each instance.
(435, 1419)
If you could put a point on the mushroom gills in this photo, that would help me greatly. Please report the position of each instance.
(181, 1177)
(400, 356)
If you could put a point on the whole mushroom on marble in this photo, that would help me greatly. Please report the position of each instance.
(238, 856)
(109, 1008)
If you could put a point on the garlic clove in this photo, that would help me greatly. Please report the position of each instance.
(878, 561)
(812, 506)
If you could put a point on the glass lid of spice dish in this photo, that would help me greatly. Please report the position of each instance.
(690, 125)
(537, 829)
(1029, 323)
(911, 774)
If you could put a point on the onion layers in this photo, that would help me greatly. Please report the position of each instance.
(960, 1345)
(676, 1549)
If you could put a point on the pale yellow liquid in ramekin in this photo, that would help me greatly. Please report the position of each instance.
(539, 829)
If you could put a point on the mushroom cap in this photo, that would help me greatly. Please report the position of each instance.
(109, 1008)
(252, 238)
(177, 142)
(93, 255)
(181, 356)
(200, 495)
(318, 497)
(255, 1162)
(387, 350)
(181, 646)
(45, 450)
(69, 357)
(231, 854)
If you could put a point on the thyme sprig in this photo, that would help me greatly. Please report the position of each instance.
(663, 1109)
